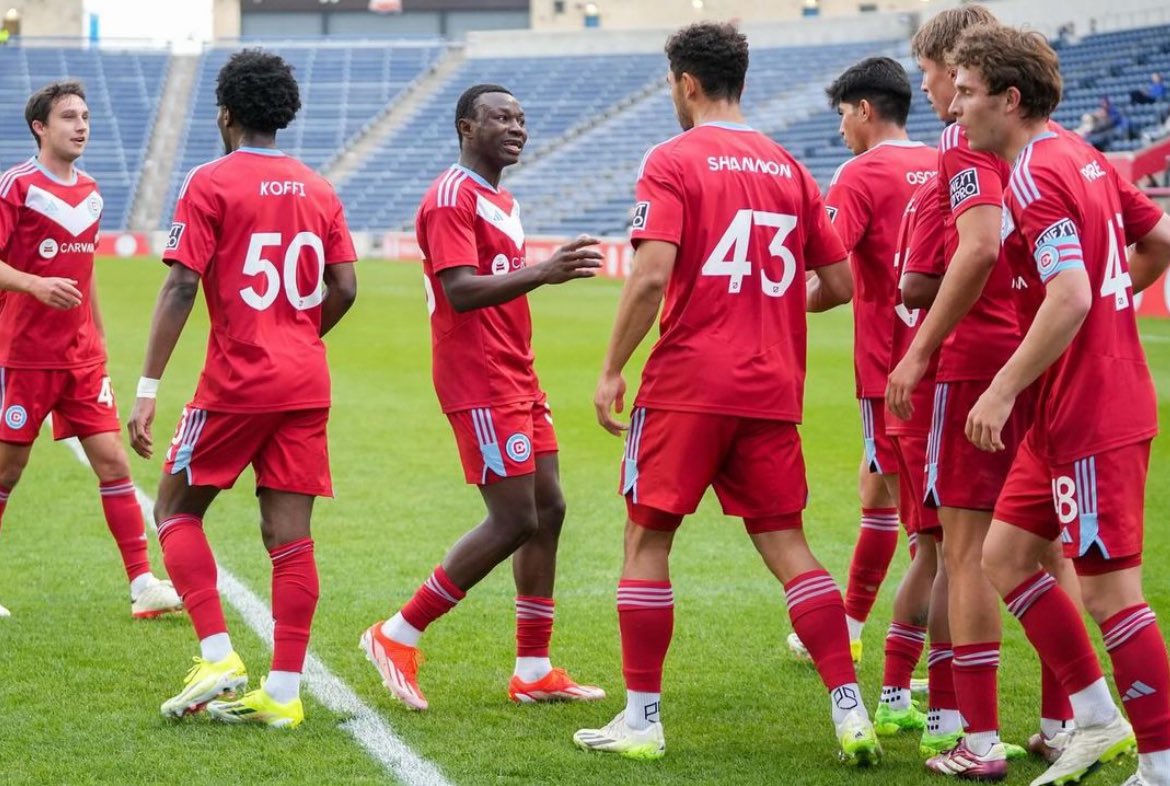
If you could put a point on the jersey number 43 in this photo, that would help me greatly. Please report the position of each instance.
(730, 256)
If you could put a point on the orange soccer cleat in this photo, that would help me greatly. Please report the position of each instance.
(397, 664)
(557, 685)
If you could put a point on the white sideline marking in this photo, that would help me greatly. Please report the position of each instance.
(365, 725)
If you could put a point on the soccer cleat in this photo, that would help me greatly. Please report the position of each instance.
(934, 744)
(919, 690)
(206, 681)
(397, 664)
(800, 652)
(888, 721)
(557, 685)
(1049, 748)
(617, 737)
(1089, 748)
(157, 599)
(859, 742)
(961, 762)
(1015, 752)
(257, 706)
(5, 612)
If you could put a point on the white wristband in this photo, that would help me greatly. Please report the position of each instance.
(147, 387)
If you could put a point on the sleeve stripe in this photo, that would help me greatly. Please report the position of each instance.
(449, 191)
(1023, 185)
(14, 174)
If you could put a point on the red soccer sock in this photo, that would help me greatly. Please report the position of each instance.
(818, 617)
(434, 598)
(1142, 674)
(191, 566)
(124, 518)
(976, 668)
(1054, 703)
(904, 645)
(294, 600)
(1053, 625)
(646, 619)
(534, 626)
(876, 544)
(940, 672)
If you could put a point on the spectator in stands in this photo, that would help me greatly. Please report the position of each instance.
(1108, 124)
(1154, 92)
(1086, 126)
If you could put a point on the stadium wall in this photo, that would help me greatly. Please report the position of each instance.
(628, 14)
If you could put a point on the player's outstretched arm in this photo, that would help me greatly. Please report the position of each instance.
(1150, 256)
(919, 290)
(60, 293)
(829, 286)
(175, 301)
(959, 290)
(637, 309)
(1067, 301)
(340, 294)
(466, 290)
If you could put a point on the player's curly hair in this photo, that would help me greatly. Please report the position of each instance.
(715, 53)
(1007, 57)
(880, 80)
(259, 89)
(40, 104)
(465, 107)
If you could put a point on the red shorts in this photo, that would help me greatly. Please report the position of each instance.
(503, 441)
(1096, 501)
(958, 474)
(879, 453)
(756, 467)
(80, 399)
(289, 451)
(910, 450)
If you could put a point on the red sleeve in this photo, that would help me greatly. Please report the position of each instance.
(658, 195)
(849, 209)
(1050, 228)
(450, 233)
(821, 244)
(925, 254)
(972, 178)
(192, 239)
(1139, 213)
(9, 215)
(339, 245)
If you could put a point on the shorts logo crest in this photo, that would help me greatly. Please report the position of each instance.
(15, 416)
(519, 447)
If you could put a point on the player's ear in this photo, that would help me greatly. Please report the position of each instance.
(1012, 99)
(691, 86)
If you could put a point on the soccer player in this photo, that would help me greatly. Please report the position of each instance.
(1080, 475)
(52, 349)
(477, 278)
(866, 200)
(268, 239)
(728, 225)
(973, 320)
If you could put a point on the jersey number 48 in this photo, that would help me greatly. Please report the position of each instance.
(729, 258)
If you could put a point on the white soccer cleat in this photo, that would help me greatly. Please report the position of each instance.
(5, 612)
(158, 598)
(858, 741)
(1089, 748)
(617, 737)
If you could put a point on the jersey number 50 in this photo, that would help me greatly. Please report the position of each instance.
(735, 241)
(256, 264)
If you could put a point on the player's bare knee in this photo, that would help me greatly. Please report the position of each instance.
(10, 473)
(518, 525)
(115, 466)
(551, 515)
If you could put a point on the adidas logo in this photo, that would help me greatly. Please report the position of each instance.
(1137, 690)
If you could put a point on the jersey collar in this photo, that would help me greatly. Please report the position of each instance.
(477, 177)
(37, 162)
(1038, 138)
(728, 126)
(261, 151)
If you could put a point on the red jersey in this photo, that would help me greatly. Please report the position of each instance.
(865, 203)
(259, 227)
(1067, 210)
(482, 357)
(920, 250)
(988, 335)
(748, 221)
(49, 228)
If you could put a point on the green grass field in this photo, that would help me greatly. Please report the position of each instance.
(80, 683)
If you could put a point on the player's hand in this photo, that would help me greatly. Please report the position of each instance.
(141, 417)
(575, 259)
(610, 396)
(985, 420)
(61, 293)
(903, 379)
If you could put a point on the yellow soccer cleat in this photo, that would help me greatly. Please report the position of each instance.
(800, 652)
(617, 737)
(258, 707)
(206, 681)
(858, 740)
